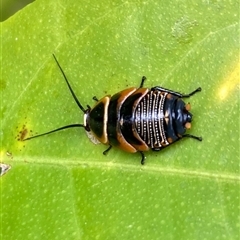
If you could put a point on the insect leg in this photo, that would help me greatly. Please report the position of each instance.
(180, 95)
(107, 150)
(95, 99)
(192, 136)
(142, 81)
(191, 93)
(143, 158)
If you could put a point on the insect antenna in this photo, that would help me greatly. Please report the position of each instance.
(76, 100)
(70, 88)
(55, 130)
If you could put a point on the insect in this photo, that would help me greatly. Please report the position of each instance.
(135, 119)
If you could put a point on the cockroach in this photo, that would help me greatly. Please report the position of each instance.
(135, 119)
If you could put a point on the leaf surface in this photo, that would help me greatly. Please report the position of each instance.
(61, 186)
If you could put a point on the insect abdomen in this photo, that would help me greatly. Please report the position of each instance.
(150, 121)
(161, 118)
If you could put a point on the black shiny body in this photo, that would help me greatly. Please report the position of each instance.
(140, 119)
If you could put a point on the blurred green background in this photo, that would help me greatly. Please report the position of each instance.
(9, 7)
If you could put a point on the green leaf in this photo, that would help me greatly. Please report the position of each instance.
(60, 186)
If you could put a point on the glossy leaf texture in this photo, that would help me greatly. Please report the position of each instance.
(61, 186)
